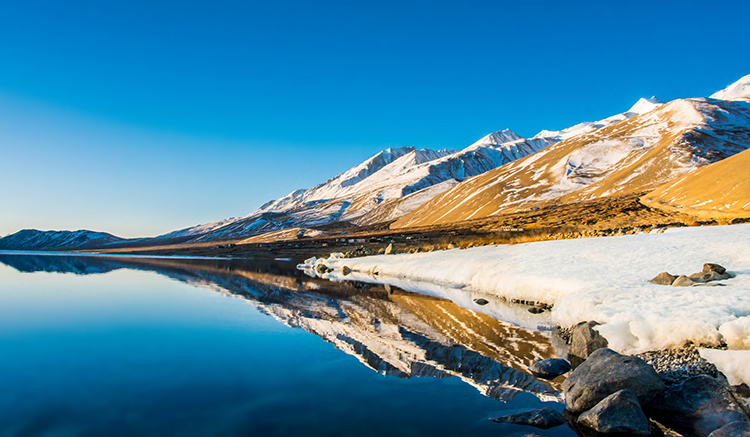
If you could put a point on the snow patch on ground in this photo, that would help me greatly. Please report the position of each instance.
(733, 364)
(604, 279)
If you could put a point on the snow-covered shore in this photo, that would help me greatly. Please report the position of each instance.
(603, 279)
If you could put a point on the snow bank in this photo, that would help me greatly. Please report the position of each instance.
(737, 333)
(602, 279)
(735, 365)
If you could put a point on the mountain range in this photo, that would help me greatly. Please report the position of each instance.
(637, 151)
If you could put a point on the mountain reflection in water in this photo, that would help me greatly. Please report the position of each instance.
(394, 332)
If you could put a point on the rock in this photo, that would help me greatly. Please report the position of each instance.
(606, 372)
(742, 390)
(345, 270)
(543, 418)
(664, 278)
(536, 310)
(714, 276)
(481, 301)
(697, 277)
(619, 412)
(697, 406)
(550, 368)
(323, 269)
(734, 429)
(584, 340)
(709, 267)
(682, 281)
(388, 249)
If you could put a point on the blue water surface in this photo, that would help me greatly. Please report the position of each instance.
(131, 352)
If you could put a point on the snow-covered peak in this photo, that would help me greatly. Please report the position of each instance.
(737, 90)
(644, 105)
(497, 138)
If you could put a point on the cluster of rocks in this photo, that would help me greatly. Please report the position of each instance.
(711, 272)
(613, 394)
(360, 252)
(627, 230)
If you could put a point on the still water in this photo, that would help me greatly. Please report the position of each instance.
(94, 346)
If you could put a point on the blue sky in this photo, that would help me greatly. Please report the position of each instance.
(142, 117)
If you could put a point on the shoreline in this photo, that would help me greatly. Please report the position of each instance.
(606, 280)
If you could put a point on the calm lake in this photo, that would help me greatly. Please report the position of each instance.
(94, 346)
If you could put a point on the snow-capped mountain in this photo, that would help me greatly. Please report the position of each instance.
(32, 239)
(395, 182)
(385, 187)
(635, 154)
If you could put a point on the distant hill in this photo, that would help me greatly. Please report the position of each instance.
(32, 239)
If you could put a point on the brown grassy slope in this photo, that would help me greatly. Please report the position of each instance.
(634, 155)
(719, 190)
(598, 217)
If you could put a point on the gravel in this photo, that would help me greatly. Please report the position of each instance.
(677, 365)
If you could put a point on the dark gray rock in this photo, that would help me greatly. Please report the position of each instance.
(697, 406)
(543, 418)
(536, 310)
(734, 429)
(664, 278)
(481, 301)
(583, 341)
(740, 391)
(619, 412)
(683, 281)
(345, 270)
(550, 368)
(710, 267)
(697, 277)
(606, 372)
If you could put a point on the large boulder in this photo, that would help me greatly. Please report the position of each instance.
(734, 429)
(619, 412)
(583, 341)
(543, 418)
(606, 372)
(550, 368)
(697, 406)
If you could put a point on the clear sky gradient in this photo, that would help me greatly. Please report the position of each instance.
(142, 117)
